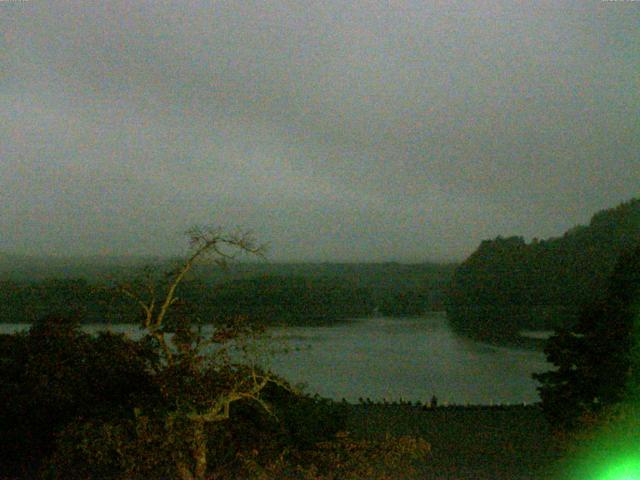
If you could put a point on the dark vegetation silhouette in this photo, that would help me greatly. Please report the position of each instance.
(594, 358)
(592, 397)
(507, 285)
(586, 286)
(55, 375)
(82, 406)
(291, 294)
(174, 404)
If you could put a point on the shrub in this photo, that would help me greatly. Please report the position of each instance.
(55, 374)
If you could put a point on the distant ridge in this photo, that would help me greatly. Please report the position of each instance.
(38, 267)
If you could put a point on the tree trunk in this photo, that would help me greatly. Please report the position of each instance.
(183, 471)
(200, 450)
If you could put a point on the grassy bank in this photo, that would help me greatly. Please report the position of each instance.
(475, 443)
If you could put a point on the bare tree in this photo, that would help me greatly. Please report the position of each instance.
(197, 373)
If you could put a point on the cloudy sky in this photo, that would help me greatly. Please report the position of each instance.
(336, 130)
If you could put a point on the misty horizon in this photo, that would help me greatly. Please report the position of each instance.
(140, 257)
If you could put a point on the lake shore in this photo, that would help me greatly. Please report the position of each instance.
(409, 357)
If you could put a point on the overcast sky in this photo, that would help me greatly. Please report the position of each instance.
(336, 130)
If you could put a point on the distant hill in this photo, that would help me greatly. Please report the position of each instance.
(42, 267)
(507, 285)
(294, 293)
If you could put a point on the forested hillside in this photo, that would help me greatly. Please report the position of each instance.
(304, 293)
(508, 284)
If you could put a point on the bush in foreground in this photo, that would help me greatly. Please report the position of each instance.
(175, 404)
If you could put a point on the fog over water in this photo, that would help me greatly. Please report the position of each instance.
(405, 130)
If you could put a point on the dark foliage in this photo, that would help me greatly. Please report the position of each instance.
(177, 403)
(507, 285)
(290, 300)
(54, 375)
(290, 294)
(306, 420)
(594, 358)
(71, 401)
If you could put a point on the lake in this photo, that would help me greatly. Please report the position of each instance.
(393, 358)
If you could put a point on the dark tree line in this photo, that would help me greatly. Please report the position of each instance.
(288, 295)
(508, 284)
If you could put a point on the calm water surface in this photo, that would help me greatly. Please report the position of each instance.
(393, 358)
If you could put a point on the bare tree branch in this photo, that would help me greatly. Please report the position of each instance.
(246, 382)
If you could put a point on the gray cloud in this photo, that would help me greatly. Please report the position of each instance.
(336, 130)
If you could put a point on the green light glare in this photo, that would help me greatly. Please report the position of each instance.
(613, 452)
(624, 469)
(610, 453)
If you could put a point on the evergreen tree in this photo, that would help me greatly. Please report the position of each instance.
(594, 358)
